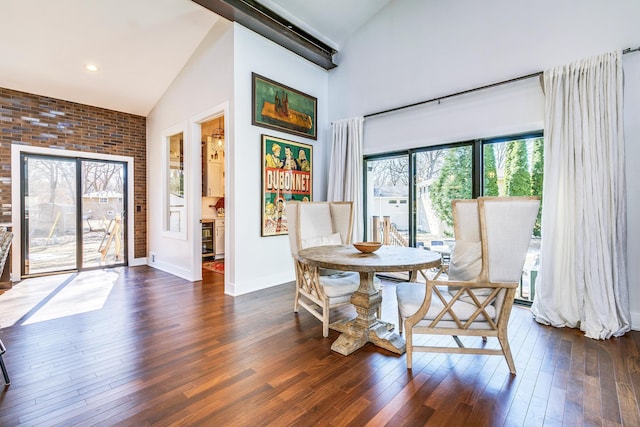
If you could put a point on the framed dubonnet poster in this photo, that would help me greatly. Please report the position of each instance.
(287, 174)
(280, 107)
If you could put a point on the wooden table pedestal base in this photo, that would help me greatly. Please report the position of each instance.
(366, 327)
(354, 337)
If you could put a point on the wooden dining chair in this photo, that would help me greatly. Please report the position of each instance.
(312, 224)
(492, 240)
(5, 244)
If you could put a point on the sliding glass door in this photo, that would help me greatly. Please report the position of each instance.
(408, 194)
(73, 214)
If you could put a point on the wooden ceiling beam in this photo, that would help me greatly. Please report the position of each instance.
(269, 24)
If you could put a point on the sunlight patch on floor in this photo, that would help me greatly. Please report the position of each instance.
(50, 297)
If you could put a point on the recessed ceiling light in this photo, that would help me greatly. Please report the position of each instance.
(91, 67)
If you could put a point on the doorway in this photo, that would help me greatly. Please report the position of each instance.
(213, 192)
(73, 214)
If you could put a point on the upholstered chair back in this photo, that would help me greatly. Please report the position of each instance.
(466, 258)
(466, 224)
(342, 220)
(318, 223)
(506, 224)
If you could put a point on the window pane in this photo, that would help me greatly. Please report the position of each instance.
(387, 188)
(387, 208)
(176, 219)
(515, 168)
(103, 222)
(50, 201)
(441, 176)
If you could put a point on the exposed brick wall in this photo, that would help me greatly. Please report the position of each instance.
(40, 121)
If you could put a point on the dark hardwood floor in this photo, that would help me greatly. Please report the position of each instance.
(163, 351)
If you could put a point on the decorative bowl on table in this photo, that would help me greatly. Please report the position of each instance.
(367, 247)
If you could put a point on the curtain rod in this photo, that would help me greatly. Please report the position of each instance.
(464, 92)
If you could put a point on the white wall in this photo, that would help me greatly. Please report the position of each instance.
(420, 49)
(415, 50)
(220, 72)
(266, 261)
(205, 81)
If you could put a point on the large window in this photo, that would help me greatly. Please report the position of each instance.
(409, 194)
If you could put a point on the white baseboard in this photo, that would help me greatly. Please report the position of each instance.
(172, 269)
(234, 289)
(137, 262)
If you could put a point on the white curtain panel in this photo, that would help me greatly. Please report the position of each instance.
(345, 168)
(582, 280)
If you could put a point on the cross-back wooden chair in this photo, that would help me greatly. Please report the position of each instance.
(492, 240)
(318, 224)
(5, 244)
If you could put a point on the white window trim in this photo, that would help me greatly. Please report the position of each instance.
(16, 202)
(166, 158)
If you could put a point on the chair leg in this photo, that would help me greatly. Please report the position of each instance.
(296, 296)
(400, 322)
(409, 346)
(5, 374)
(506, 350)
(325, 319)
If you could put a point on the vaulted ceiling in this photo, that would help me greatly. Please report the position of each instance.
(138, 46)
